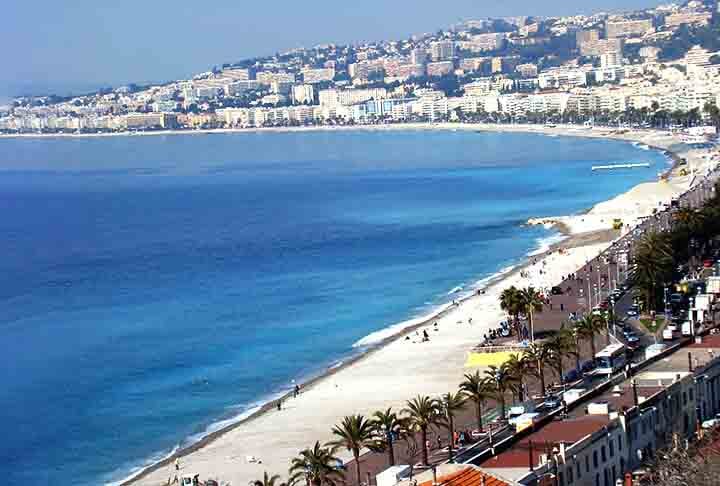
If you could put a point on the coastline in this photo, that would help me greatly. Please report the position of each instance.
(575, 239)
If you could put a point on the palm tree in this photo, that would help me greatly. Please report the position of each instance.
(502, 382)
(691, 218)
(423, 412)
(653, 257)
(477, 389)
(267, 480)
(354, 433)
(536, 355)
(512, 303)
(517, 367)
(575, 338)
(316, 465)
(531, 303)
(450, 405)
(588, 327)
(557, 349)
(389, 426)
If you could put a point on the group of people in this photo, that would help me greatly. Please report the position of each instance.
(490, 337)
(460, 439)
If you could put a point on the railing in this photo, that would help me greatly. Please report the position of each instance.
(498, 349)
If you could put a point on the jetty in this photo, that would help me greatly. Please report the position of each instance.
(621, 166)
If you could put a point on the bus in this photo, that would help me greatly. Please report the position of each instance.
(610, 359)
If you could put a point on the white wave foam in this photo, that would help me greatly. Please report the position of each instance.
(544, 244)
(455, 290)
(136, 471)
(247, 411)
(390, 331)
(484, 282)
(379, 336)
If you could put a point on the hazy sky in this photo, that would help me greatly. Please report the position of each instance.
(80, 44)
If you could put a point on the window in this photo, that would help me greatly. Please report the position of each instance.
(597, 479)
(684, 398)
(612, 448)
(595, 459)
(643, 425)
(603, 452)
(614, 472)
(578, 471)
(619, 443)
(587, 464)
(561, 479)
(692, 394)
(569, 475)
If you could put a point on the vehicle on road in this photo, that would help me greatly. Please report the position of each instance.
(611, 359)
(631, 337)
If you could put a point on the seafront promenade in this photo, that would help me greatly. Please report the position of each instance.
(402, 368)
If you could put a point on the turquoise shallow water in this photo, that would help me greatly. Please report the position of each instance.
(153, 286)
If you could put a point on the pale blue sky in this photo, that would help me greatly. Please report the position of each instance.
(81, 44)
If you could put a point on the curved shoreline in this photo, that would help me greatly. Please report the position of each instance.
(375, 347)
(363, 353)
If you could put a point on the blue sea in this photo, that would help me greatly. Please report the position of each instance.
(154, 287)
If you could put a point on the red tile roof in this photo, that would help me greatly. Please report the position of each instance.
(570, 430)
(567, 431)
(469, 476)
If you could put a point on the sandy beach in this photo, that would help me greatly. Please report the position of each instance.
(402, 368)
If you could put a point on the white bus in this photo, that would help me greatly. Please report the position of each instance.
(610, 360)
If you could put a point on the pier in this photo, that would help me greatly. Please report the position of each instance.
(621, 166)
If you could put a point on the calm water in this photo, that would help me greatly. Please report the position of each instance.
(152, 286)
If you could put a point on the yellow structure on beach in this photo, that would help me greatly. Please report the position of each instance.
(483, 360)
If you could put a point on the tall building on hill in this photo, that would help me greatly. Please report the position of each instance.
(627, 28)
(585, 36)
(418, 56)
(601, 46)
(442, 50)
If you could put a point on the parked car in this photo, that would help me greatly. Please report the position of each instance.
(552, 402)
(631, 337)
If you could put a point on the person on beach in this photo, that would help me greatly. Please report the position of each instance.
(426, 336)
(296, 391)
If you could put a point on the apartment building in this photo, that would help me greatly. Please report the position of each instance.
(442, 50)
(440, 68)
(314, 76)
(562, 78)
(601, 46)
(347, 97)
(675, 20)
(488, 42)
(628, 28)
(303, 94)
